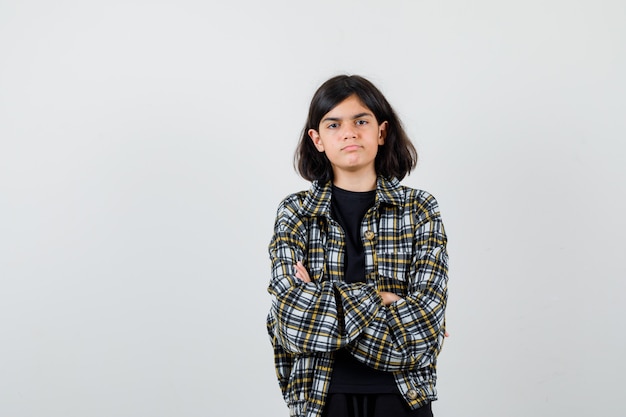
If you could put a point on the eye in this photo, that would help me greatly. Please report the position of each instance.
(361, 122)
(333, 125)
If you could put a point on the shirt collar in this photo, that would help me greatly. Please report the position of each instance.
(317, 200)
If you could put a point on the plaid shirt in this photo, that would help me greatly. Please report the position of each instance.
(405, 253)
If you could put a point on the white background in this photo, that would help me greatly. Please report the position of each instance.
(145, 145)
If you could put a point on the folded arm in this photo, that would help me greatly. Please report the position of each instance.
(409, 332)
(311, 314)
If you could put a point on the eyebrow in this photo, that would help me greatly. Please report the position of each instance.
(337, 119)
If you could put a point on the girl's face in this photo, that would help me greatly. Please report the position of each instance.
(350, 135)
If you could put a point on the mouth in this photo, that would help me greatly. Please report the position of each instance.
(350, 148)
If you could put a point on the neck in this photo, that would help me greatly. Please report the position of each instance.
(355, 182)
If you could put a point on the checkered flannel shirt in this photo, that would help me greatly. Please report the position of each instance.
(405, 253)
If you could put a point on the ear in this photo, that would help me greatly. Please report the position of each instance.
(382, 132)
(315, 137)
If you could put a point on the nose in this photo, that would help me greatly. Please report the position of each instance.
(348, 131)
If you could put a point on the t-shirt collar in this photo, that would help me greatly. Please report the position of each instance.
(317, 200)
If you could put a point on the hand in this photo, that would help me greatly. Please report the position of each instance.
(389, 297)
(301, 272)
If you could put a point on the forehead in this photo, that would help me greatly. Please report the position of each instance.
(349, 107)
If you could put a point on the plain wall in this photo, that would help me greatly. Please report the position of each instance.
(145, 146)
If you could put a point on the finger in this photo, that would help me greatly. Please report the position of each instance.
(301, 272)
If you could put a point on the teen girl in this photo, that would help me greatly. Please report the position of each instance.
(359, 266)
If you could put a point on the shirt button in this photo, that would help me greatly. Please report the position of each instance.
(369, 235)
(412, 394)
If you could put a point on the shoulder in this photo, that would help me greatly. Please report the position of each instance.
(291, 205)
(420, 202)
(394, 193)
(420, 197)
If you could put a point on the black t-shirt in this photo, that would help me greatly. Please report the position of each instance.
(350, 375)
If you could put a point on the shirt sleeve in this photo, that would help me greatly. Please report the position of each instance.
(319, 316)
(409, 333)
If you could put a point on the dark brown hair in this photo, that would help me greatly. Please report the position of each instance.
(396, 158)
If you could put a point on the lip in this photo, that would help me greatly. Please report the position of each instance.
(350, 148)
